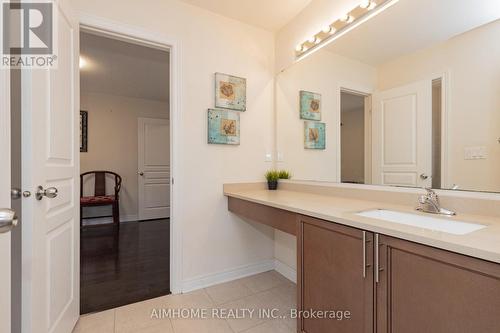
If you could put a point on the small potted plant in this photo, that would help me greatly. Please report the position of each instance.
(284, 174)
(272, 177)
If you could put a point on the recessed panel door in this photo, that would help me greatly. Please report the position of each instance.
(154, 168)
(50, 109)
(402, 136)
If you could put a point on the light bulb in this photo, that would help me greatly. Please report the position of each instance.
(299, 48)
(328, 30)
(82, 62)
(348, 18)
(368, 4)
(313, 40)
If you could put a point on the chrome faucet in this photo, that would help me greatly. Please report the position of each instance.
(429, 203)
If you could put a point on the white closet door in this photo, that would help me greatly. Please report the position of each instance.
(154, 168)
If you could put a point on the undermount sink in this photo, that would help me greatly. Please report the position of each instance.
(427, 222)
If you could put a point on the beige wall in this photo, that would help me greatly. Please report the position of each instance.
(353, 146)
(214, 241)
(285, 249)
(112, 143)
(471, 61)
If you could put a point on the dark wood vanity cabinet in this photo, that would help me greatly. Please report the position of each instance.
(335, 273)
(418, 289)
(385, 284)
(424, 289)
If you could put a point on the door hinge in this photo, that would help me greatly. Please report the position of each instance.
(172, 181)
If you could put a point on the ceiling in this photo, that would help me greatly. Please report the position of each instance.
(118, 68)
(411, 25)
(271, 15)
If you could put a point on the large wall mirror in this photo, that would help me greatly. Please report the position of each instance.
(409, 98)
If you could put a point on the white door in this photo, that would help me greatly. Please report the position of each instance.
(5, 257)
(402, 136)
(154, 168)
(51, 244)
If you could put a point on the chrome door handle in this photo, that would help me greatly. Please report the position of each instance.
(8, 220)
(15, 193)
(50, 192)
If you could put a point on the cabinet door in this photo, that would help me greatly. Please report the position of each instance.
(335, 274)
(423, 289)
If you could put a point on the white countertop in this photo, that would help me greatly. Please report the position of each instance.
(483, 244)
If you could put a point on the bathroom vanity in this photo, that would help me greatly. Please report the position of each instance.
(391, 277)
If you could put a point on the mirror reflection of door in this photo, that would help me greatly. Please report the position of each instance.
(406, 132)
(402, 135)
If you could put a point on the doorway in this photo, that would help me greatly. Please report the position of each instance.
(125, 255)
(354, 163)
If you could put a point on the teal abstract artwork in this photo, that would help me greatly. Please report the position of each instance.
(230, 92)
(223, 127)
(314, 135)
(310, 105)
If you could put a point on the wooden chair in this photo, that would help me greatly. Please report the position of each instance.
(100, 198)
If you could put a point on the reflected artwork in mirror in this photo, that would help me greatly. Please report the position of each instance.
(404, 102)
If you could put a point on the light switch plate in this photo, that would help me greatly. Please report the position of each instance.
(269, 157)
(281, 157)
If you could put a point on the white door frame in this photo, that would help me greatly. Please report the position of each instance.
(136, 35)
(445, 116)
(353, 89)
(5, 178)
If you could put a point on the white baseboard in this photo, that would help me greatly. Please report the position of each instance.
(238, 273)
(227, 275)
(285, 270)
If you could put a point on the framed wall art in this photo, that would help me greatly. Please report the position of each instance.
(223, 127)
(230, 92)
(310, 105)
(314, 135)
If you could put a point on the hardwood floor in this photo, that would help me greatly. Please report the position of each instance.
(119, 267)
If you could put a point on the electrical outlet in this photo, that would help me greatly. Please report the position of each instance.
(475, 153)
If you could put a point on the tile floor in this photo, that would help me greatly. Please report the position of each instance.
(268, 290)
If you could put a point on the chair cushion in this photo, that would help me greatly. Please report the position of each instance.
(105, 199)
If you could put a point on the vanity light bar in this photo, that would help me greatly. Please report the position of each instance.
(365, 11)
